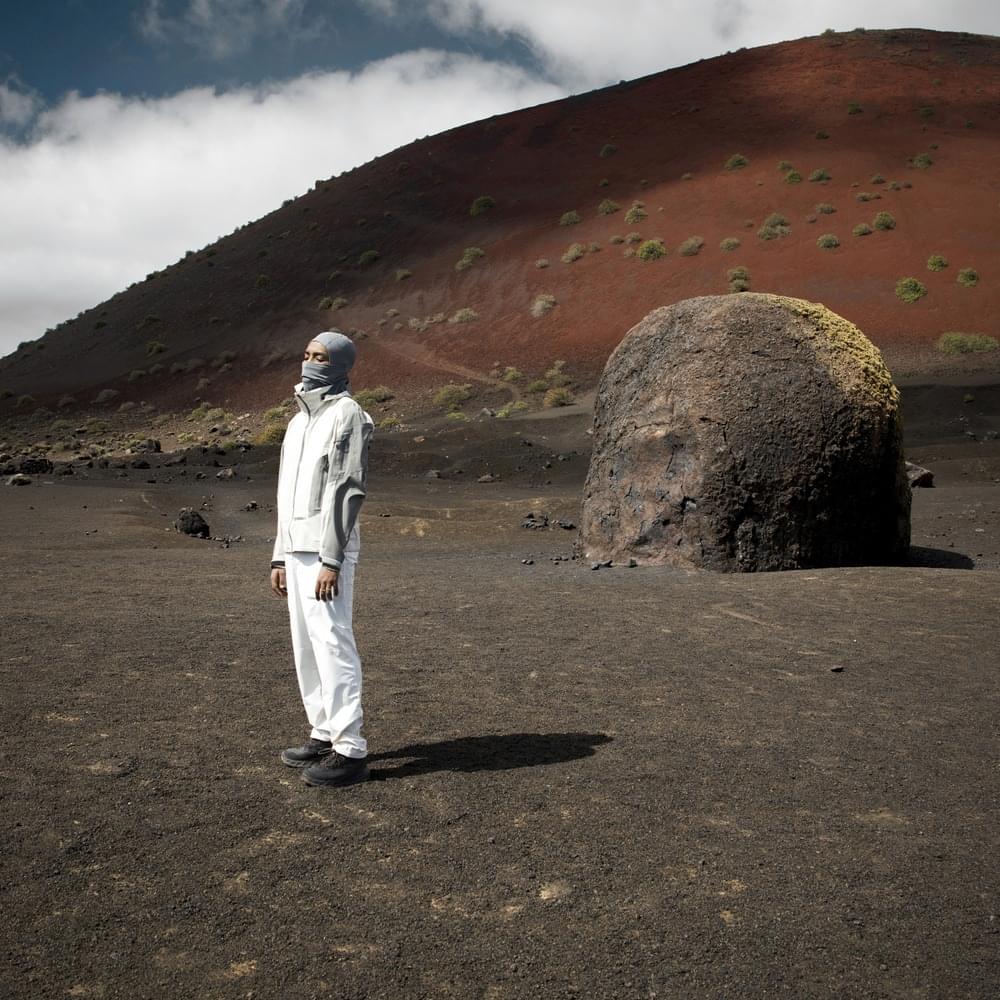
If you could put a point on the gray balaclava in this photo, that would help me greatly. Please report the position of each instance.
(333, 373)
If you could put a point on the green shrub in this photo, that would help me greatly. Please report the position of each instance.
(262, 280)
(968, 277)
(24, 400)
(820, 175)
(921, 161)
(936, 262)
(739, 279)
(449, 397)
(691, 246)
(593, 247)
(608, 149)
(822, 135)
(729, 243)
(5, 393)
(925, 112)
(271, 434)
(368, 257)
(775, 226)
(608, 207)
(966, 343)
(633, 238)
(325, 303)
(910, 290)
(542, 263)
(457, 415)
(877, 179)
(827, 241)
(275, 413)
(862, 229)
(511, 374)
(543, 303)
(557, 396)
(569, 218)
(785, 165)
(148, 320)
(223, 358)
(865, 196)
(573, 252)
(129, 404)
(651, 250)
(603, 182)
(884, 221)
(537, 385)
(464, 315)
(854, 108)
(469, 256)
(824, 209)
(64, 401)
(154, 347)
(482, 204)
(736, 162)
(135, 375)
(403, 273)
(635, 214)
(793, 177)
(389, 423)
(366, 398)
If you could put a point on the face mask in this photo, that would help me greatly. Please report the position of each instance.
(316, 374)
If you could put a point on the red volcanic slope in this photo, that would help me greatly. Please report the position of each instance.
(857, 105)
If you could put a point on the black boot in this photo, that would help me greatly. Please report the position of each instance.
(336, 771)
(308, 753)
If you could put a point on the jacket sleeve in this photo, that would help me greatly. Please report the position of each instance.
(347, 485)
(278, 553)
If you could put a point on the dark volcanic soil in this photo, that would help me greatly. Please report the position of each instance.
(631, 783)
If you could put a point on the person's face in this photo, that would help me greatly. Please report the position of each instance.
(315, 351)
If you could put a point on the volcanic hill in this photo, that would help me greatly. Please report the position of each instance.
(547, 233)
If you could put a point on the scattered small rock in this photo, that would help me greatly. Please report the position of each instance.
(226, 473)
(253, 505)
(632, 564)
(432, 474)
(139, 463)
(190, 522)
(535, 521)
(528, 562)
(19, 479)
(919, 476)
(487, 478)
(836, 669)
(568, 525)
(35, 465)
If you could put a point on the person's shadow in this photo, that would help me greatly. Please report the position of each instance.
(486, 753)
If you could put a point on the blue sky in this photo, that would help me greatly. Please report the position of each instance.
(134, 130)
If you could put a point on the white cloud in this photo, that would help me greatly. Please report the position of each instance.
(108, 188)
(18, 104)
(225, 28)
(587, 43)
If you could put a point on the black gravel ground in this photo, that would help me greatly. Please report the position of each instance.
(635, 783)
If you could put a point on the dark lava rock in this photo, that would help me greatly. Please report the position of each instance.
(225, 474)
(535, 521)
(149, 445)
(919, 476)
(746, 432)
(139, 463)
(190, 522)
(34, 465)
(19, 479)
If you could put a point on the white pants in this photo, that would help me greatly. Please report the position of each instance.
(326, 657)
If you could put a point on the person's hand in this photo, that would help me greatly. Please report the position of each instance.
(278, 587)
(326, 584)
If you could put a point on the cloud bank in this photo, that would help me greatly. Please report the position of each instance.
(105, 189)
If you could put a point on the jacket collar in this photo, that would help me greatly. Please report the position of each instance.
(313, 400)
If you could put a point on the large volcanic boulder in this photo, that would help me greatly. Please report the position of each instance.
(746, 432)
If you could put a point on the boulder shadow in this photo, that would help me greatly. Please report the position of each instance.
(487, 753)
(929, 558)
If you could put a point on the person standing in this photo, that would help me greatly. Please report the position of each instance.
(322, 483)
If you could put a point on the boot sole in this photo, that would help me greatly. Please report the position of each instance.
(355, 779)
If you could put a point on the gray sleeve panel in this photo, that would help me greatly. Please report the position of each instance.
(278, 553)
(347, 485)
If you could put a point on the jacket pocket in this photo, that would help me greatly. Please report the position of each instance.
(320, 475)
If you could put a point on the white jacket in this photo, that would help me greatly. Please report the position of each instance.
(322, 477)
